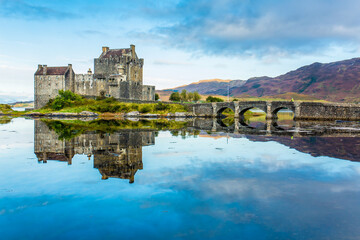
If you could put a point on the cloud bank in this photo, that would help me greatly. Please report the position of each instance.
(263, 27)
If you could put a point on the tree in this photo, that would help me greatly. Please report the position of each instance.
(175, 97)
(213, 99)
(157, 96)
(183, 95)
(196, 96)
(190, 96)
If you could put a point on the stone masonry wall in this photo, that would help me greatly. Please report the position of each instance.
(148, 93)
(47, 87)
(86, 85)
(107, 66)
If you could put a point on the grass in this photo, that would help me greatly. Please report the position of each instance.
(78, 104)
(5, 108)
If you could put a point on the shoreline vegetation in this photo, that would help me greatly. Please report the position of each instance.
(69, 104)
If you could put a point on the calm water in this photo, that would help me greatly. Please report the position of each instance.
(270, 183)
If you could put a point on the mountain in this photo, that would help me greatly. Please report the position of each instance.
(210, 86)
(336, 81)
(11, 99)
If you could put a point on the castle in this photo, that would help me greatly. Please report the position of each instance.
(118, 73)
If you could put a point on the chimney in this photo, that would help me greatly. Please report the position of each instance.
(89, 71)
(132, 46)
(44, 69)
(70, 66)
(105, 49)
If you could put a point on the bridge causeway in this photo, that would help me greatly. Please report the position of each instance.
(302, 110)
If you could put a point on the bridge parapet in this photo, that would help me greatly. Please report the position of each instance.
(328, 111)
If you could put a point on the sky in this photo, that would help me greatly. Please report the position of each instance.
(182, 41)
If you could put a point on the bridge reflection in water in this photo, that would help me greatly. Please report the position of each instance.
(119, 154)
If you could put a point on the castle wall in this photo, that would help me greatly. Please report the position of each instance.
(47, 87)
(108, 66)
(70, 79)
(135, 90)
(135, 70)
(85, 85)
(148, 93)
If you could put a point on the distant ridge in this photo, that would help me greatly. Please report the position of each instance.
(209, 86)
(336, 81)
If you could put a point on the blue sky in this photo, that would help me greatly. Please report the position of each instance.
(181, 41)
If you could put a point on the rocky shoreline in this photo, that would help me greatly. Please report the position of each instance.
(87, 114)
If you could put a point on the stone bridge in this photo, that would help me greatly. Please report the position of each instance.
(301, 110)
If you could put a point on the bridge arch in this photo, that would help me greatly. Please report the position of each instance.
(222, 109)
(280, 108)
(244, 110)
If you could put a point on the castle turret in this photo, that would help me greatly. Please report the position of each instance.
(105, 49)
(133, 54)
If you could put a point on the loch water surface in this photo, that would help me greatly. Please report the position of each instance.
(190, 183)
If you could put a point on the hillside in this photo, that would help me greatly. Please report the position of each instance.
(211, 86)
(336, 81)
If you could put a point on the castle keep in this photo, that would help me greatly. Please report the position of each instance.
(118, 73)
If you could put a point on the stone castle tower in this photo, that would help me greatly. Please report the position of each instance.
(118, 73)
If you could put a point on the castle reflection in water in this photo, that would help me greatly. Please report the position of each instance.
(116, 155)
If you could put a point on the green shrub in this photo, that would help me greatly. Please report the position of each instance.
(161, 107)
(134, 107)
(5, 107)
(175, 97)
(213, 99)
(125, 108)
(110, 100)
(65, 99)
(105, 108)
(145, 109)
(157, 97)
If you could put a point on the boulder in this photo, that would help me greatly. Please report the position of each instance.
(132, 114)
(88, 114)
